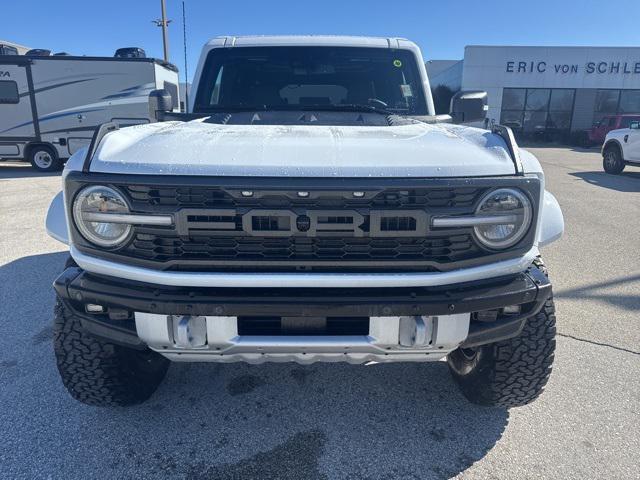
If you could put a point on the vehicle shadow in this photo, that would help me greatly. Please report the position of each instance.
(626, 182)
(21, 170)
(231, 421)
(598, 291)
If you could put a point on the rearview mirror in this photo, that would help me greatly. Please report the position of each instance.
(160, 102)
(469, 106)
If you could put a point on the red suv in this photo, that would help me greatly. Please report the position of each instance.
(610, 122)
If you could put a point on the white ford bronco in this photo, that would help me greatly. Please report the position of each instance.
(621, 148)
(310, 207)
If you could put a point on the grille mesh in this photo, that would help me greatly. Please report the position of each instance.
(164, 248)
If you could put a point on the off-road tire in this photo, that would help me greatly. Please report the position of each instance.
(101, 373)
(510, 373)
(612, 161)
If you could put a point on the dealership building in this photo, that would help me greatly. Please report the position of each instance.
(560, 89)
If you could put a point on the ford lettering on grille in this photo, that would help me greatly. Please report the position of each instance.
(311, 223)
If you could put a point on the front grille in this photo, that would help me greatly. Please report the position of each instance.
(381, 229)
(300, 250)
(324, 225)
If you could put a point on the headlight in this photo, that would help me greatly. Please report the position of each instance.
(92, 206)
(508, 212)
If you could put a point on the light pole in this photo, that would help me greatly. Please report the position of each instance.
(164, 23)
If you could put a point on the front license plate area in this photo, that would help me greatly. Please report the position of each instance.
(292, 326)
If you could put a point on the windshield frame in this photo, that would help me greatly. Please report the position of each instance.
(215, 56)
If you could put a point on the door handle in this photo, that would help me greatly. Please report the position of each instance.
(626, 137)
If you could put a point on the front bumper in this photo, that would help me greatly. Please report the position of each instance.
(124, 300)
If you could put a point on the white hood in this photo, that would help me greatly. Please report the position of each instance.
(200, 148)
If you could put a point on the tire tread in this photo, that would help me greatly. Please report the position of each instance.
(101, 373)
(513, 372)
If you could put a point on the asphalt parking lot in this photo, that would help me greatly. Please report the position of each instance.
(238, 421)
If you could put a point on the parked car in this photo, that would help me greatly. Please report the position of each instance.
(313, 207)
(621, 147)
(601, 128)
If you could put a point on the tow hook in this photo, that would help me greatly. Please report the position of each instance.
(415, 331)
(190, 331)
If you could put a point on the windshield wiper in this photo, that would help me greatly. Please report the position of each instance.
(341, 107)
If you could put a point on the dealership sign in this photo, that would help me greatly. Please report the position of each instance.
(605, 68)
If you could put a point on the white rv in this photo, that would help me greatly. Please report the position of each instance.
(51, 106)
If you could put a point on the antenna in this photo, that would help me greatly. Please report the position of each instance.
(186, 76)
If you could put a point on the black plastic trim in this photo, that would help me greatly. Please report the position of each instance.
(98, 135)
(115, 331)
(531, 288)
(507, 135)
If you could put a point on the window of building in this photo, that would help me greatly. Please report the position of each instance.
(629, 101)
(607, 102)
(537, 99)
(537, 110)
(9, 92)
(513, 98)
(561, 100)
(616, 102)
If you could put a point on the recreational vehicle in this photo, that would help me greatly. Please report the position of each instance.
(51, 106)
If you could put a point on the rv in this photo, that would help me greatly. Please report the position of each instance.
(51, 106)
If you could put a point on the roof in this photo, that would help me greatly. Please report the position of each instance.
(303, 40)
(24, 59)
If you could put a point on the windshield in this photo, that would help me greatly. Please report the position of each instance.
(304, 78)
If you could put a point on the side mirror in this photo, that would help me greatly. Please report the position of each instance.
(160, 102)
(469, 106)
(635, 125)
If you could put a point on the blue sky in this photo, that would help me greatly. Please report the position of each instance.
(442, 29)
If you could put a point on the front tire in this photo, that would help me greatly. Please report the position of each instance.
(612, 161)
(101, 373)
(510, 373)
(44, 159)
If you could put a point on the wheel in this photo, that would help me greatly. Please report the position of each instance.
(44, 158)
(100, 373)
(510, 373)
(612, 160)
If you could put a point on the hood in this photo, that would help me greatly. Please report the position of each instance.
(200, 148)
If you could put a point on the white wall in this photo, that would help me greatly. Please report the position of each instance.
(492, 68)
